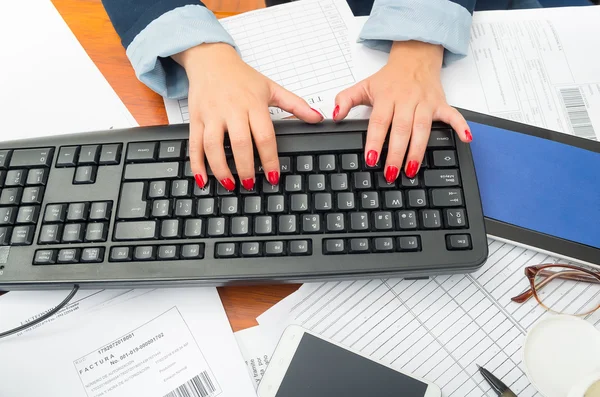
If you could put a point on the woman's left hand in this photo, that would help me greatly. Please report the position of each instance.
(407, 95)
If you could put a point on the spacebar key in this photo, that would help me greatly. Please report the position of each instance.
(147, 171)
(142, 230)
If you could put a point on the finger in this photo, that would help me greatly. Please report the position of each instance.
(241, 145)
(450, 115)
(293, 104)
(418, 139)
(399, 137)
(196, 146)
(349, 98)
(215, 153)
(264, 138)
(379, 125)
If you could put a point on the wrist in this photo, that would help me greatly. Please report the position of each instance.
(206, 53)
(417, 54)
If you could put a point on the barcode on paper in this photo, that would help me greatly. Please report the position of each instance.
(199, 386)
(577, 113)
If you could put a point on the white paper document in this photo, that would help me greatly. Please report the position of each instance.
(256, 348)
(303, 46)
(48, 84)
(438, 328)
(155, 343)
(537, 67)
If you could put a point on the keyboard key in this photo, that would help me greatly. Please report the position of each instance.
(85, 175)
(77, 212)
(96, 232)
(359, 245)
(369, 200)
(2, 176)
(392, 199)
(170, 150)
(192, 251)
(442, 178)
(11, 196)
(431, 219)
(207, 190)
(444, 158)
(334, 246)
(276, 204)
(226, 250)
(167, 252)
(240, 226)
(338, 182)
(288, 224)
(193, 228)
(299, 202)
(455, 218)
(299, 247)
(26, 214)
(304, 163)
(161, 209)
(274, 248)
(458, 242)
(15, 178)
(408, 243)
(417, 198)
(216, 227)
(68, 255)
(140, 230)
(345, 201)
(29, 158)
(180, 188)
(252, 205)
(73, 233)
(38, 176)
(45, 257)
(316, 183)
(50, 234)
(187, 170)
(293, 183)
(439, 138)
(183, 208)
(447, 197)
(285, 165)
(382, 183)
(110, 154)
(229, 206)
(323, 202)
(144, 253)
(169, 228)
(55, 213)
(92, 255)
(141, 152)
(100, 211)
(327, 163)
(311, 223)
(359, 221)
(263, 225)
(409, 182)
(32, 195)
(349, 162)
(383, 244)
(267, 188)
(5, 233)
(157, 190)
(88, 155)
(251, 249)
(335, 223)
(120, 254)
(4, 158)
(407, 220)
(362, 180)
(131, 203)
(67, 156)
(22, 235)
(383, 220)
(206, 207)
(149, 171)
(8, 216)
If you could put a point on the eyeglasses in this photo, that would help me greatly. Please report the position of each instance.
(564, 289)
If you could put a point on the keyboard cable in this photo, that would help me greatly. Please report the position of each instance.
(44, 317)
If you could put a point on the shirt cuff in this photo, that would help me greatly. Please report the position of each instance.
(173, 32)
(439, 22)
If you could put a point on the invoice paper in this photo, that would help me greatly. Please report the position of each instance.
(160, 343)
(537, 67)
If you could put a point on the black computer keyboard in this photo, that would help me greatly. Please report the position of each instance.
(120, 208)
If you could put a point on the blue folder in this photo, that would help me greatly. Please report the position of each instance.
(538, 180)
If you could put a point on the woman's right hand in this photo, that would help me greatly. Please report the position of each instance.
(226, 94)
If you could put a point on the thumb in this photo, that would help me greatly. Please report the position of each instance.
(349, 98)
(293, 104)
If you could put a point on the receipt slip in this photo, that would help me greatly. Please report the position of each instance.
(164, 343)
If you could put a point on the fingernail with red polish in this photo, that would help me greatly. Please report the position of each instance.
(248, 184)
(371, 158)
(199, 181)
(228, 184)
(336, 111)
(319, 113)
(391, 173)
(411, 169)
(468, 135)
(273, 177)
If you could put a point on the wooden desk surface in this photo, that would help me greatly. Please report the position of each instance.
(90, 24)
